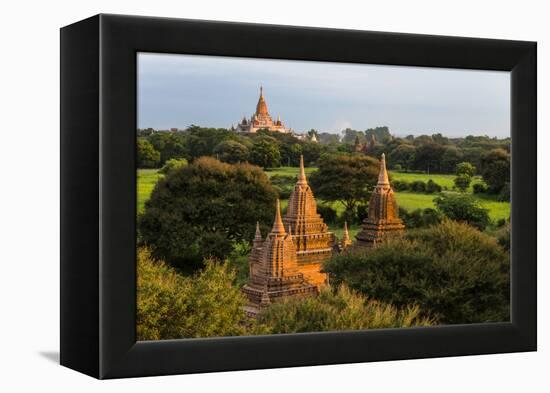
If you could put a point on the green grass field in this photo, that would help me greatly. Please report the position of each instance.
(147, 179)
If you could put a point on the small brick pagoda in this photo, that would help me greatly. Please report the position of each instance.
(314, 243)
(383, 217)
(274, 272)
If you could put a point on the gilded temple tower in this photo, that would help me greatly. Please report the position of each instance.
(274, 269)
(314, 243)
(383, 217)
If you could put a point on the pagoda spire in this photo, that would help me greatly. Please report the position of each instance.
(383, 174)
(302, 174)
(278, 227)
(345, 237)
(258, 236)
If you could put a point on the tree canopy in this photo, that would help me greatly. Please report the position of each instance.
(453, 272)
(345, 178)
(204, 210)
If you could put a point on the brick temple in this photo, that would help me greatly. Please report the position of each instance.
(288, 263)
(261, 119)
(383, 216)
(274, 271)
(314, 243)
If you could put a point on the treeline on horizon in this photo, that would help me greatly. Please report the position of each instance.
(425, 153)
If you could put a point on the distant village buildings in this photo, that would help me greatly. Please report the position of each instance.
(288, 263)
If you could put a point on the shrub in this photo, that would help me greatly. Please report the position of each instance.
(495, 169)
(432, 187)
(463, 208)
(172, 164)
(205, 210)
(462, 182)
(455, 273)
(341, 309)
(418, 186)
(400, 185)
(479, 188)
(503, 236)
(419, 218)
(397, 167)
(328, 214)
(171, 306)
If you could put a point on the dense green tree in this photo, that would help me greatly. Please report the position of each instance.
(231, 151)
(495, 169)
(450, 158)
(311, 152)
(345, 178)
(202, 141)
(341, 309)
(171, 306)
(463, 208)
(465, 168)
(290, 154)
(428, 157)
(451, 271)
(404, 155)
(205, 209)
(147, 155)
(265, 153)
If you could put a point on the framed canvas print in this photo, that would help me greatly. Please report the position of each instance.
(240, 196)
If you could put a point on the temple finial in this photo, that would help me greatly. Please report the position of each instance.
(383, 174)
(346, 233)
(278, 226)
(302, 174)
(258, 235)
(261, 90)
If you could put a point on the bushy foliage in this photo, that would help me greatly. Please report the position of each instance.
(231, 151)
(479, 188)
(328, 214)
(432, 187)
(420, 218)
(504, 194)
(265, 153)
(400, 185)
(463, 208)
(171, 306)
(462, 182)
(345, 178)
(172, 164)
(337, 310)
(495, 169)
(204, 210)
(455, 273)
(418, 186)
(465, 168)
(147, 155)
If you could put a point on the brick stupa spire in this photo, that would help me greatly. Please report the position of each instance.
(274, 273)
(313, 241)
(383, 218)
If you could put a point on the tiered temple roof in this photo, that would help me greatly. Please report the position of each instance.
(261, 119)
(274, 271)
(383, 217)
(314, 243)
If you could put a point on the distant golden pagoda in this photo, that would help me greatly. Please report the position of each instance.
(261, 119)
(383, 217)
(274, 272)
(314, 243)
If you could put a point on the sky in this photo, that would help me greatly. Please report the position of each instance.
(175, 91)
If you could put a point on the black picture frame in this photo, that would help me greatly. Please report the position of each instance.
(98, 195)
